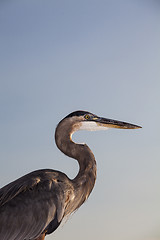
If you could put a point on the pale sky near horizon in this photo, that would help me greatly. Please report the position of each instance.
(101, 56)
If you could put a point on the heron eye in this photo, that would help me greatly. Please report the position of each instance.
(87, 116)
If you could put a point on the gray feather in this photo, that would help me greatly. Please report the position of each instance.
(29, 204)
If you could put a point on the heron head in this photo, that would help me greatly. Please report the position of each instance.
(83, 120)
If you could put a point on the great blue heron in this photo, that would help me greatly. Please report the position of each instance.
(34, 205)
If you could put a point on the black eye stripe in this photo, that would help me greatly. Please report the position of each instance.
(77, 114)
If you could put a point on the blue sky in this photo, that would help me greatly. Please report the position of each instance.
(100, 56)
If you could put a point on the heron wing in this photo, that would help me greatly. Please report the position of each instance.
(11, 190)
(31, 205)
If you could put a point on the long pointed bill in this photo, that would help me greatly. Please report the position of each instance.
(110, 123)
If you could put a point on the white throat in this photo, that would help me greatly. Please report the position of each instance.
(89, 126)
(92, 126)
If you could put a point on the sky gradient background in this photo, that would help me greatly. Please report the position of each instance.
(102, 56)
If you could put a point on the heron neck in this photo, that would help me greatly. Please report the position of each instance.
(80, 152)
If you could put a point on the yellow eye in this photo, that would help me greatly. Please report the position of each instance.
(87, 116)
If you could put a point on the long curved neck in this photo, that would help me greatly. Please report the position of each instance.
(81, 152)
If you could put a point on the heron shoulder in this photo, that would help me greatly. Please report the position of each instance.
(44, 180)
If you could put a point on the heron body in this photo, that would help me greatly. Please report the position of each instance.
(34, 205)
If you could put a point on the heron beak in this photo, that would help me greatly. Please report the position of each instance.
(110, 123)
